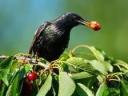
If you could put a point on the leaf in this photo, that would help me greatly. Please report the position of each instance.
(3, 88)
(81, 65)
(15, 87)
(124, 87)
(85, 89)
(28, 67)
(66, 85)
(115, 91)
(81, 75)
(108, 66)
(5, 63)
(98, 66)
(123, 66)
(65, 67)
(103, 90)
(79, 92)
(97, 53)
(45, 87)
(5, 69)
(76, 61)
(14, 66)
(64, 56)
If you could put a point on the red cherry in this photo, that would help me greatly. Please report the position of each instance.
(32, 76)
(95, 25)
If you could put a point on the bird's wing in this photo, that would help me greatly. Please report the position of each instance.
(37, 35)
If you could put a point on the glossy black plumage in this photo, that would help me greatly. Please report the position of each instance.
(52, 38)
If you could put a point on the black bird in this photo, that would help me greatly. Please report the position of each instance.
(52, 38)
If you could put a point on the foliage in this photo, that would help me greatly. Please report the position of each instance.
(95, 74)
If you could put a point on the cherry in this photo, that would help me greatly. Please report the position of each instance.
(95, 25)
(112, 82)
(32, 76)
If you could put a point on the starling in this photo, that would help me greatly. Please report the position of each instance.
(52, 38)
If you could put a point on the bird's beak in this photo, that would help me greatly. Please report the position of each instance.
(91, 24)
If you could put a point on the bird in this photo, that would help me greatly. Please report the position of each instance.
(51, 38)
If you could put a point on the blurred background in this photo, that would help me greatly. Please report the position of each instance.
(20, 18)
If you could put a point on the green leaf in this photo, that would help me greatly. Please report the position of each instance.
(14, 66)
(85, 89)
(13, 70)
(45, 87)
(66, 85)
(79, 92)
(76, 61)
(15, 87)
(103, 90)
(5, 63)
(3, 88)
(28, 67)
(5, 69)
(81, 75)
(115, 91)
(64, 56)
(81, 65)
(123, 66)
(108, 66)
(124, 87)
(98, 66)
(97, 53)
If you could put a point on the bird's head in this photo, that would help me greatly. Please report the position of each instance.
(71, 19)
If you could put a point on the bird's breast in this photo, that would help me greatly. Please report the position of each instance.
(56, 38)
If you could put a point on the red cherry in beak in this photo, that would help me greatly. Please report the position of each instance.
(94, 25)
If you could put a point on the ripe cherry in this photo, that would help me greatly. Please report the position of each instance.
(94, 25)
(32, 76)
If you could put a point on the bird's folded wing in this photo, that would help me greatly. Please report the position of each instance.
(37, 34)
